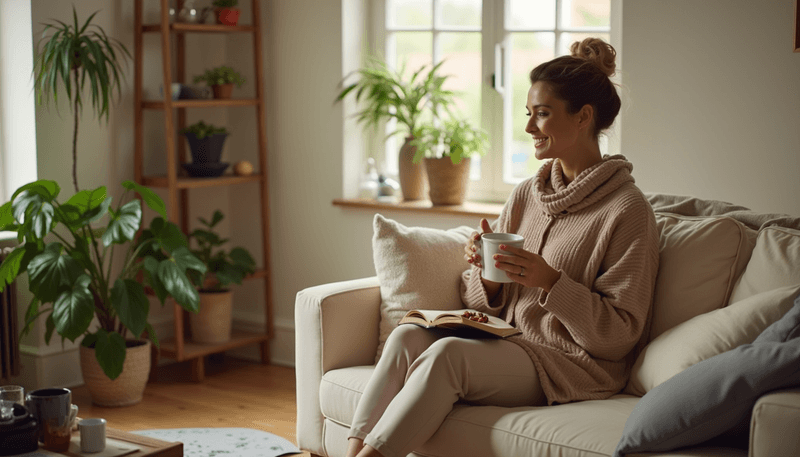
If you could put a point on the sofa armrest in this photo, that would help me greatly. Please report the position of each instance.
(775, 426)
(336, 326)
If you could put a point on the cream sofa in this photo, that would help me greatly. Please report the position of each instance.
(717, 259)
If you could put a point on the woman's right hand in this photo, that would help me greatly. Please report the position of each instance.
(469, 250)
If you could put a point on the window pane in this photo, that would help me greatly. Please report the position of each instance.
(585, 13)
(412, 50)
(531, 14)
(461, 52)
(568, 38)
(409, 13)
(527, 51)
(459, 13)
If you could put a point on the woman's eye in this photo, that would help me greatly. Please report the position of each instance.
(542, 113)
(527, 113)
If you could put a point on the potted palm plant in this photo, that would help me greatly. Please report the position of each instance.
(446, 151)
(388, 95)
(205, 146)
(212, 324)
(221, 79)
(77, 56)
(226, 11)
(68, 260)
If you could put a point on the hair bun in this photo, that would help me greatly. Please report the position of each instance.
(597, 51)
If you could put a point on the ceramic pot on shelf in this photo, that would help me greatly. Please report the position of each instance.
(212, 323)
(448, 182)
(412, 175)
(222, 91)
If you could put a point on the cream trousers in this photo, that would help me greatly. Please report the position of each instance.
(423, 372)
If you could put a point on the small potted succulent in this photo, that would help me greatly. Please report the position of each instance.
(205, 145)
(212, 324)
(221, 79)
(447, 151)
(226, 11)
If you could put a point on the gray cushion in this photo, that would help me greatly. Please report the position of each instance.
(713, 396)
(785, 328)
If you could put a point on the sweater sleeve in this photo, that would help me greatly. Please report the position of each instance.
(609, 319)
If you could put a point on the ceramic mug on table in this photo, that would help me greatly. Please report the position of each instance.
(55, 413)
(488, 245)
(93, 435)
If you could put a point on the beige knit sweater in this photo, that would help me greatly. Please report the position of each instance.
(600, 233)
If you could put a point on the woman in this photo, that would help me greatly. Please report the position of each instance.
(582, 285)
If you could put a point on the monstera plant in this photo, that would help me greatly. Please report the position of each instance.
(67, 250)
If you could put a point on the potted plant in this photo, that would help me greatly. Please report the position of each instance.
(221, 79)
(388, 95)
(212, 324)
(68, 260)
(77, 56)
(226, 11)
(205, 146)
(446, 151)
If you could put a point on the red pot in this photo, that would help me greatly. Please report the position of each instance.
(227, 16)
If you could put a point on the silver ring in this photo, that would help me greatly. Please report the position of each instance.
(522, 272)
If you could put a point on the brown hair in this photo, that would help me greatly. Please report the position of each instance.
(582, 78)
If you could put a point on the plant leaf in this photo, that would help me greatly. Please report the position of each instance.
(178, 285)
(50, 272)
(151, 334)
(90, 203)
(16, 263)
(150, 198)
(130, 301)
(187, 261)
(7, 221)
(123, 224)
(34, 213)
(109, 350)
(74, 309)
(151, 273)
(169, 236)
(49, 328)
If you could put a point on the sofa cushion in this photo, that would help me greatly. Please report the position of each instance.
(710, 397)
(417, 267)
(700, 259)
(775, 263)
(707, 335)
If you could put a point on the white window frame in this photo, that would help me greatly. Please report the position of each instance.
(495, 106)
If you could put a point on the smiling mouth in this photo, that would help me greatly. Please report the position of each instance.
(539, 142)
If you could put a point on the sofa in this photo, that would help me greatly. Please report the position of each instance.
(726, 275)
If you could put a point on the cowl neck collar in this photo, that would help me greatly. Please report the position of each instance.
(554, 197)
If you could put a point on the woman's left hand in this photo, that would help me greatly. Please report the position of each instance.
(526, 268)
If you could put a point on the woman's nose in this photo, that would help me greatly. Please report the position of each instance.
(530, 127)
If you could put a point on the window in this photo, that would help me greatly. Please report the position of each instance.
(489, 47)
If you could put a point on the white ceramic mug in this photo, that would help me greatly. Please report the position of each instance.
(489, 245)
(93, 435)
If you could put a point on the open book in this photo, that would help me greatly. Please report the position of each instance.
(462, 318)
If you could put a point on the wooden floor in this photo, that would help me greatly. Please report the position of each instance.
(235, 393)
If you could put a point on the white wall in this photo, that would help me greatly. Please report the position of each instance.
(711, 110)
(713, 100)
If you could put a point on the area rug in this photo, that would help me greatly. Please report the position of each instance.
(212, 442)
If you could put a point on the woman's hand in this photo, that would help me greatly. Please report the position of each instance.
(526, 268)
(469, 250)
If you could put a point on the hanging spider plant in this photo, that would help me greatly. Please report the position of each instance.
(72, 56)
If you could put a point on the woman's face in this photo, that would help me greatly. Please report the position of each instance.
(555, 132)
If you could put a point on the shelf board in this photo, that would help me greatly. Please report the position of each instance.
(182, 27)
(194, 350)
(204, 103)
(194, 183)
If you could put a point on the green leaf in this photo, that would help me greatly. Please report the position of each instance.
(50, 272)
(170, 236)
(7, 221)
(34, 212)
(178, 285)
(131, 304)
(205, 236)
(151, 273)
(241, 257)
(151, 334)
(186, 260)
(124, 224)
(74, 309)
(91, 204)
(89, 340)
(150, 198)
(16, 263)
(109, 350)
(31, 314)
(49, 190)
(50, 327)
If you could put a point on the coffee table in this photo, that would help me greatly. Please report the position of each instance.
(148, 447)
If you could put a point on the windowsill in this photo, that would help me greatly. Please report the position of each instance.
(475, 209)
(7, 236)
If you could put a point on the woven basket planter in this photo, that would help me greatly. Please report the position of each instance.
(128, 388)
(447, 181)
(212, 324)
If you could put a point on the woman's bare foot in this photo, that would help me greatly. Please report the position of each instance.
(354, 446)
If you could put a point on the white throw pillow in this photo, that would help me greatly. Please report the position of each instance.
(775, 263)
(707, 335)
(700, 259)
(417, 268)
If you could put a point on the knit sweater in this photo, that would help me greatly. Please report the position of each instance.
(600, 233)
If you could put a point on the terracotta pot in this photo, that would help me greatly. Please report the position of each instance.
(128, 388)
(448, 182)
(222, 91)
(412, 175)
(227, 16)
(212, 324)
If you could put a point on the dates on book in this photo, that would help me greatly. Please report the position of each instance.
(476, 316)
